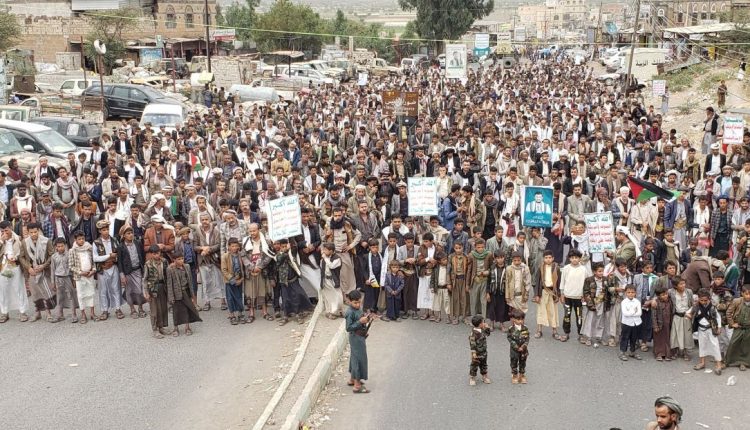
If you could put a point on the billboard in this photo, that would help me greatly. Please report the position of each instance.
(455, 61)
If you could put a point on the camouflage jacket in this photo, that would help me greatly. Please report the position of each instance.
(155, 276)
(478, 341)
(518, 338)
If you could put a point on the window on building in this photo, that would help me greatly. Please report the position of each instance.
(189, 23)
(704, 16)
(680, 17)
(171, 19)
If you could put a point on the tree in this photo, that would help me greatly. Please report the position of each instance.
(108, 27)
(10, 31)
(289, 20)
(239, 16)
(738, 36)
(446, 19)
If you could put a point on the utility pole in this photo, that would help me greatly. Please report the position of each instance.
(208, 35)
(633, 41)
(598, 27)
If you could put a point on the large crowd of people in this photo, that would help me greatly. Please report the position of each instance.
(178, 218)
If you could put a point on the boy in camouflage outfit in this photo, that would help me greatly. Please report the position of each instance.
(478, 346)
(518, 336)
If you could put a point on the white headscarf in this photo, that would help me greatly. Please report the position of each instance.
(626, 231)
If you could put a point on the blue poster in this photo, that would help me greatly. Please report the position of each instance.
(536, 206)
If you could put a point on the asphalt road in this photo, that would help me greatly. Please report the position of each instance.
(419, 379)
(114, 375)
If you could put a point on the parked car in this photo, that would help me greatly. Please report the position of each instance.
(41, 139)
(159, 114)
(10, 149)
(78, 131)
(127, 100)
(74, 87)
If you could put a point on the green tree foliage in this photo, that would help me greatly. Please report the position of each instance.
(108, 26)
(289, 19)
(240, 16)
(446, 19)
(10, 31)
(741, 17)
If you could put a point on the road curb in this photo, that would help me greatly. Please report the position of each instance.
(317, 381)
(281, 390)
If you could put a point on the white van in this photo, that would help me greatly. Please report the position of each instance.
(74, 87)
(163, 114)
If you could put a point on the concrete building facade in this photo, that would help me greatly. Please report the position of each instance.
(53, 26)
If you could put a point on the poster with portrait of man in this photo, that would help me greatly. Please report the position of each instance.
(536, 206)
(455, 61)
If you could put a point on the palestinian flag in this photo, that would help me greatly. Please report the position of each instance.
(644, 190)
(195, 162)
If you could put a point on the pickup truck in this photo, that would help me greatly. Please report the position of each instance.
(380, 67)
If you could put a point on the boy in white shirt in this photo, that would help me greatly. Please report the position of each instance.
(572, 277)
(631, 323)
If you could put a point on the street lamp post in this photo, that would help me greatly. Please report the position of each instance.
(101, 49)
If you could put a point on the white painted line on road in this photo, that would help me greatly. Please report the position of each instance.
(292, 371)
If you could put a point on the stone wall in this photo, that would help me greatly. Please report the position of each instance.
(47, 35)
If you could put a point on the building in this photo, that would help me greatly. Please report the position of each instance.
(52, 26)
(681, 13)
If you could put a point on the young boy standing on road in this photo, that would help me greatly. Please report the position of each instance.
(439, 280)
(480, 263)
(459, 283)
(596, 299)
(393, 286)
(631, 312)
(572, 278)
(62, 280)
(478, 346)
(547, 295)
(518, 336)
(707, 323)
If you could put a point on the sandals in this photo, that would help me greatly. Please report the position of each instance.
(361, 390)
(699, 366)
(587, 342)
(119, 314)
(23, 318)
(3, 318)
(175, 333)
(659, 359)
(743, 368)
(51, 319)
(142, 314)
(188, 332)
(84, 320)
(538, 334)
(644, 347)
(283, 321)
(103, 317)
(36, 317)
(250, 319)
(134, 315)
(233, 320)
(157, 335)
(223, 306)
(611, 343)
(563, 338)
(207, 307)
(268, 317)
(556, 336)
